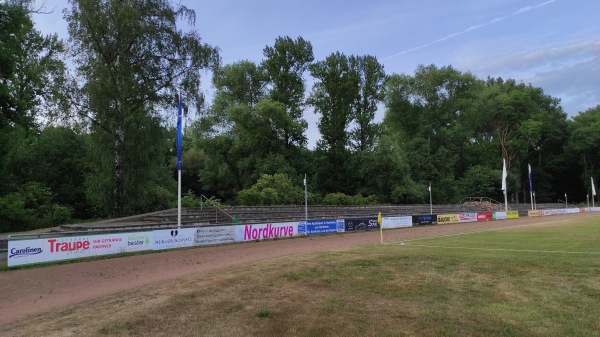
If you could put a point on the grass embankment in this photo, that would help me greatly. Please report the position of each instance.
(389, 290)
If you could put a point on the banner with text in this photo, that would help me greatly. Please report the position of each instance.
(445, 219)
(22, 252)
(173, 238)
(214, 235)
(265, 231)
(322, 226)
(360, 224)
(426, 219)
(484, 216)
(512, 214)
(396, 222)
(467, 217)
(499, 215)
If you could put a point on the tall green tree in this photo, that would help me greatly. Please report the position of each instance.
(426, 111)
(285, 63)
(32, 80)
(133, 58)
(333, 97)
(370, 93)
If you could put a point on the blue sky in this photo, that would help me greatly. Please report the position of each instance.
(552, 44)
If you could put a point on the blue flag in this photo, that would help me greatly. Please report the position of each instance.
(178, 138)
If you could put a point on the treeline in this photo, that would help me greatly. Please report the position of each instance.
(98, 142)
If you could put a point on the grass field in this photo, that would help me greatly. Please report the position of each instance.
(541, 280)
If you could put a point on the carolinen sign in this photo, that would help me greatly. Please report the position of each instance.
(23, 252)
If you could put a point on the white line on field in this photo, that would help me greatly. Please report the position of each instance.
(502, 249)
(481, 231)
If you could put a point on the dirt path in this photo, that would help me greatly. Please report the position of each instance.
(39, 290)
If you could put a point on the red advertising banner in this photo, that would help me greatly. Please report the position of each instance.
(485, 216)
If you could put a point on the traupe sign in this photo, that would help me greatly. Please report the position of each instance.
(444, 219)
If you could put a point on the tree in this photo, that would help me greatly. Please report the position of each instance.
(425, 112)
(584, 146)
(276, 189)
(371, 93)
(133, 59)
(285, 63)
(334, 95)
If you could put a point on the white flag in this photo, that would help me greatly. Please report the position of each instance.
(593, 188)
(504, 174)
(305, 180)
(429, 187)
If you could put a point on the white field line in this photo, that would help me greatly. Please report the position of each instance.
(502, 249)
(483, 230)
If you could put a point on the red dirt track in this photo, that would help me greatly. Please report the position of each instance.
(38, 290)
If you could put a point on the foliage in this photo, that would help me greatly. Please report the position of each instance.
(133, 58)
(189, 199)
(341, 199)
(276, 189)
(31, 207)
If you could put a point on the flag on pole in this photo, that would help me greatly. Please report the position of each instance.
(429, 187)
(504, 174)
(530, 184)
(179, 133)
(593, 188)
(304, 179)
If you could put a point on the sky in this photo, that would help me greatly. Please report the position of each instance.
(552, 44)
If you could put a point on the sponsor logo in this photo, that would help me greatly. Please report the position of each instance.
(174, 233)
(25, 252)
(267, 232)
(56, 247)
(139, 240)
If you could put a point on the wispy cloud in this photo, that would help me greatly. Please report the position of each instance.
(470, 29)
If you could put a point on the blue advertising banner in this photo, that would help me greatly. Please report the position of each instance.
(428, 219)
(361, 224)
(322, 226)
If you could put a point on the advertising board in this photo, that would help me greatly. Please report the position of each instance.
(484, 216)
(265, 231)
(444, 219)
(32, 251)
(360, 224)
(427, 219)
(322, 226)
(214, 235)
(499, 216)
(173, 238)
(467, 217)
(512, 214)
(396, 222)
(534, 213)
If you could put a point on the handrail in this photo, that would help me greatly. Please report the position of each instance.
(470, 199)
(215, 205)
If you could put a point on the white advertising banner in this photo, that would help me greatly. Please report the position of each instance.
(396, 222)
(572, 210)
(213, 235)
(173, 238)
(499, 215)
(467, 217)
(265, 231)
(22, 252)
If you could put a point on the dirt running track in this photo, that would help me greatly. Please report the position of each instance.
(39, 290)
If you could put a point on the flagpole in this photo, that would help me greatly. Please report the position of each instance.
(530, 187)
(593, 191)
(430, 201)
(566, 203)
(178, 144)
(305, 202)
(534, 203)
(504, 175)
